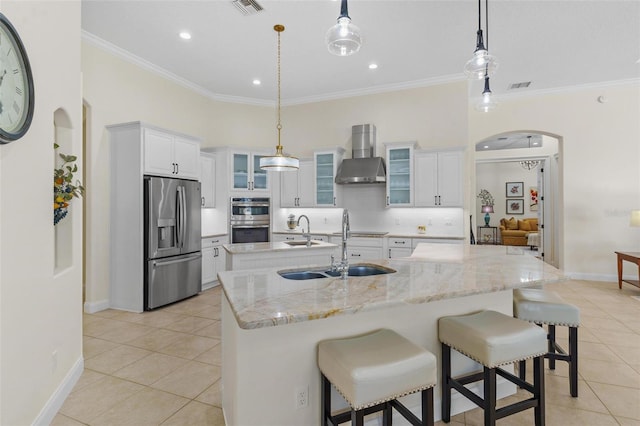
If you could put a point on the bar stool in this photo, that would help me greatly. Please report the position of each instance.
(546, 307)
(371, 371)
(492, 339)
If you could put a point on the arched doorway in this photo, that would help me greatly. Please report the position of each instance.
(500, 163)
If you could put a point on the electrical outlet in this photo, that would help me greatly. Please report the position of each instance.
(302, 396)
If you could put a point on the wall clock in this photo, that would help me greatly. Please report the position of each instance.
(16, 85)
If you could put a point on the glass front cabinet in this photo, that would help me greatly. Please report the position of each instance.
(246, 172)
(327, 192)
(399, 174)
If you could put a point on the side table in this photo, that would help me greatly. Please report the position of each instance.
(490, 237)
(633, 257)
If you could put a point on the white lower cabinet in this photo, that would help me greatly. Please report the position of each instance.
(398, 247)
(416, 241)
(213, 259)
(293, 237)
(360, 249)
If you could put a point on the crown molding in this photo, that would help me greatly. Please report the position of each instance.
(142, 63)
(136, 60)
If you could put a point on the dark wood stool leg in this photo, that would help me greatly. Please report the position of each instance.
(445, 383)
(538, 390)
(552, 345)
(387, 414)
(522, 370)
(325, 408)
(573, 361)
(489, 396)
(357, 418)
(427, 407)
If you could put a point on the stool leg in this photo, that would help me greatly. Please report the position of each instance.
(538, 390)
(552, 345)
(489, 396)
(325, 408)
(445, 383)
(427, 407)
(522, 370)
(387, 414)
(357, 418)
(573, 361)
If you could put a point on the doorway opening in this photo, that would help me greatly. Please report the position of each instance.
(522, 171)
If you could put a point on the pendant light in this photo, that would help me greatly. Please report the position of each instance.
(482, 62)
(343, 39)
(279, 162)
(486, 104)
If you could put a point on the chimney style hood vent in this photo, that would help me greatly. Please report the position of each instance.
(364, 166)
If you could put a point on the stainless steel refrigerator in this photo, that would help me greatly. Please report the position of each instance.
(173, 269)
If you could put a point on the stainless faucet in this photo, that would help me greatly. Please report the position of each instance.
(308, 234)
(343, 265)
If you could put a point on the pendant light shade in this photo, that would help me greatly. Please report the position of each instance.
(482, 63)
(343, 39)
(279, 162)
(487, 103)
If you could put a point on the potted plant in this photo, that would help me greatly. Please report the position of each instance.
(64, 187)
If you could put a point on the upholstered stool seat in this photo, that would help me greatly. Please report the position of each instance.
(546, 307)
(492, 339)
(371, 371)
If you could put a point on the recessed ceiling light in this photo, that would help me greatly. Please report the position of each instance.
(257, 82)
(373, 66)
(486, 147)
(185, 35)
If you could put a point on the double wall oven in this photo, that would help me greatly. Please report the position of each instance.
(250, 220)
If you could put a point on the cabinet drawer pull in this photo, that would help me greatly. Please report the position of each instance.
(355, 255)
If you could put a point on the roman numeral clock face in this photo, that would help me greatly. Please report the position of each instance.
(16, 85)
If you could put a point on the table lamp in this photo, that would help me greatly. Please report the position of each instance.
(635, 218)
(489, 209)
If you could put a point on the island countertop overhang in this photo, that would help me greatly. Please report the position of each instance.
(262, 298)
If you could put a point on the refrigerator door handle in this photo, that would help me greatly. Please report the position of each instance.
(185, 219)
(157, 263)
(179, 216)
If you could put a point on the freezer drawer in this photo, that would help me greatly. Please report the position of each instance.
(171, 279)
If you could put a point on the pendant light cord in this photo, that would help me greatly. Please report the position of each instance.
(279, 126)
(486, 21)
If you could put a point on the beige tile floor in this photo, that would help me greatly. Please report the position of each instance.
(163, 367)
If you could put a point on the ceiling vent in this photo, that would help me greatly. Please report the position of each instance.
(247, 7)
(522, 85)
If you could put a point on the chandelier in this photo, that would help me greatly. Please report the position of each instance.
(529, 164)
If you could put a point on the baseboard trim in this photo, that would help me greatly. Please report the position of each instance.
(58, 397)
(93, 307)
(594, 277)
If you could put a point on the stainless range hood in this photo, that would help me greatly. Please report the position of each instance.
(364, 166)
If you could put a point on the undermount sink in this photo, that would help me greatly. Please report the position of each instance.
(358, 270)
(301, 243)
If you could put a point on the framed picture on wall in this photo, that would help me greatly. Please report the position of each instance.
(515, 189)
(515, 206)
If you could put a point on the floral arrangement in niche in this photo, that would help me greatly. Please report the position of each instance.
(486, 197)
(64, 187)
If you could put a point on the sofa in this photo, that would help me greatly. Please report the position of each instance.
(514, 232)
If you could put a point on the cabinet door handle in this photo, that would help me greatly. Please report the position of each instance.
(387, 200)
(334, 201)
(389, 253)
(399, 242)
(355, 255)
(202, 201)
(174, 168)
(177, 168)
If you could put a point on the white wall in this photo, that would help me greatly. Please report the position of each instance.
(599, 175)
(40, 313)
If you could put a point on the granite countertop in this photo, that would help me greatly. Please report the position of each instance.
(373, 234)
(214, 235)
(262, 298)
(250, 248)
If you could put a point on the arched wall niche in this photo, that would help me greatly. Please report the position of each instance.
(63, 231)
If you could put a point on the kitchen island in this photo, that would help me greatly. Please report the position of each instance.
(271, 325)
(278, 254)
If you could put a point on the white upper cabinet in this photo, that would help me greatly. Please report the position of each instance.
(327, 192)
(296, 187)
(207, 180)
(399, 174)
(246, 174)
(168, 154)
(438, 178)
